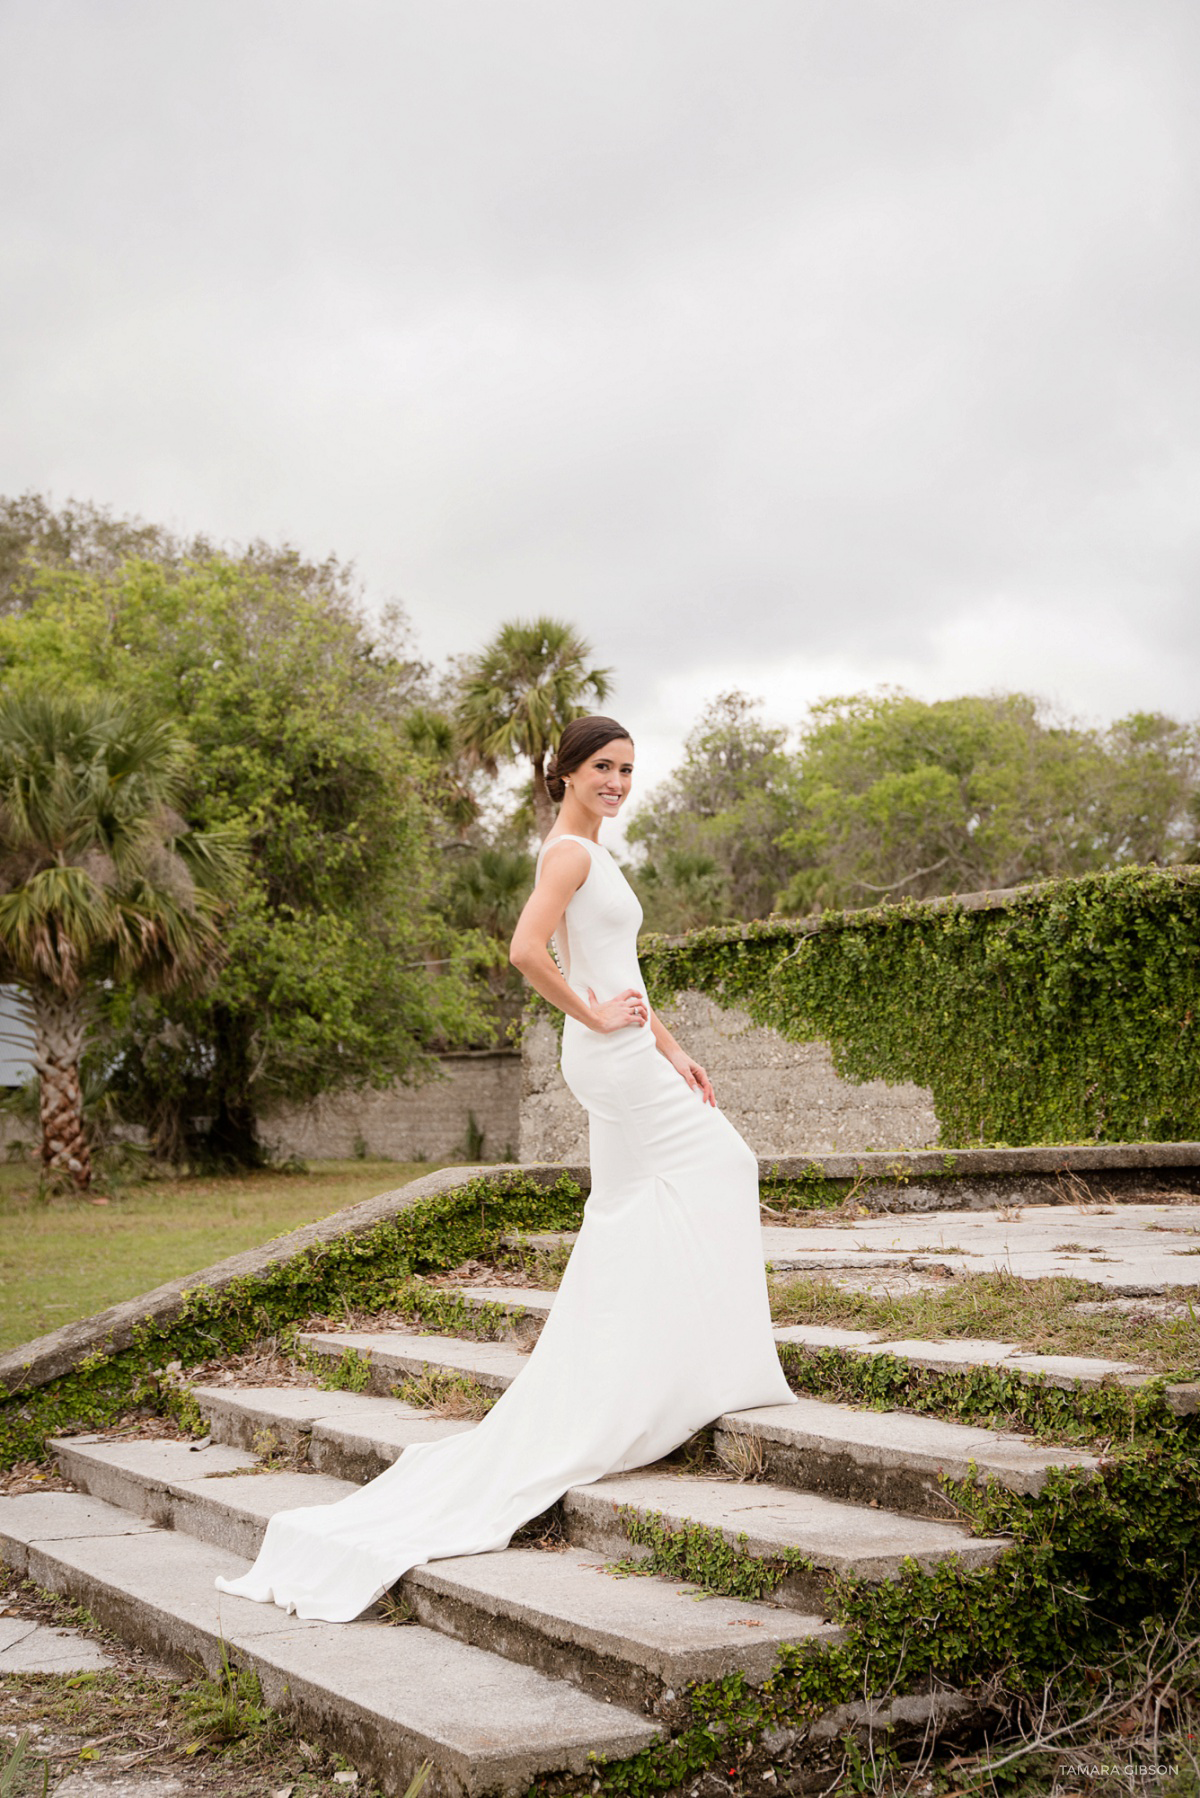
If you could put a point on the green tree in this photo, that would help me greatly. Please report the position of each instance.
(100, 881)
(897, 798)
(431, 736)
(709, 834)
(341, 969)
(520, 691)
(89, 539)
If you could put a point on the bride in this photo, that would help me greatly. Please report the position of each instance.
(661, 1322)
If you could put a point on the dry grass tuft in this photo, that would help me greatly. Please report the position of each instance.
(1057, 1315)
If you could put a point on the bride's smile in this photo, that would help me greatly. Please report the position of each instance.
(599, 787)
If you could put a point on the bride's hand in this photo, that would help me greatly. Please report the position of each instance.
(694, 1074)
(627, 1009)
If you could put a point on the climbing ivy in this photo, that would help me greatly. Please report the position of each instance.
(351, 1372)
(1071, 1013)
(992, 1397)
(704, 1556)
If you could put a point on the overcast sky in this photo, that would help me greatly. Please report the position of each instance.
(796, 344)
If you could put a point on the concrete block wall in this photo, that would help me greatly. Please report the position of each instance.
(410, 1123)
(784, 1098)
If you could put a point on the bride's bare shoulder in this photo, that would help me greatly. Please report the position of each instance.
(565, 859)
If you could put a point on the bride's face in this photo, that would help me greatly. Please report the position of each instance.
(602, 784)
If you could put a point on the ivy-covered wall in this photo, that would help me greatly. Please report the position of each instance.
(1071, 1013)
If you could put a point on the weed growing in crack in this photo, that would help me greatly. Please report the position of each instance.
(395, 1609)
(229, 1706)
(446, 1394)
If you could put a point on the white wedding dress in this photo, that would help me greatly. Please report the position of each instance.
(661, 1322)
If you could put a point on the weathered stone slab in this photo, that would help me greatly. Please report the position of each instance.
(394, 1355)
(490, 1725)
(58, 1516)
(358, 1450)
(1135, 1249)
(836, 1537)
(274, 1417)
(28, 1647)
(353, 1439)
(625, 1638)
(99, 1467)
(891, 1457)
(513, 1298)
(961, 1354)
(210, 1499)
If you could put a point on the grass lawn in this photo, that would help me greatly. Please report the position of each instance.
(64, 1258)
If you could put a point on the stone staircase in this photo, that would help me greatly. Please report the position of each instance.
(540, 1659)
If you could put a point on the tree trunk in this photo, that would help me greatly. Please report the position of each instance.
(232, 1136)
(59, 1030)
(543, 805)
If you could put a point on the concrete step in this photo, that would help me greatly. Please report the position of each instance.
(881, 1457)
(962, 1354)
(393, 1356)
(956, 1355)
(626, 1641)
(893, 1458)
(541, 1239)
(347, 1434)
(765, 1521)
(389, 1698)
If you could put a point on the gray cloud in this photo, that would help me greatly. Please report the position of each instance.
(808, 342)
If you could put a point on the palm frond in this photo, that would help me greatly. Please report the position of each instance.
(523, 688)
(99, 873)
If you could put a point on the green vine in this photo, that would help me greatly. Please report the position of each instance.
(704, 1556)
(351, 1372)
(992, 1397)
(1069, 1014)
(446, 1312)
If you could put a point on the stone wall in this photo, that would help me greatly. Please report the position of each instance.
(411, 1123)
(784, 1098)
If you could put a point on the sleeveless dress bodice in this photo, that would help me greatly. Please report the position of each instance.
(596, 944)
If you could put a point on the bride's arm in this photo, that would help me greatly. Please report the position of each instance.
(681, 1061)
(563, 873)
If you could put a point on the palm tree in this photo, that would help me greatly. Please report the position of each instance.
(431, 736)
(520, 691)
(100, 881)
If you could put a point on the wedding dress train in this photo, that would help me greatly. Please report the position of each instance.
(661, 1322)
